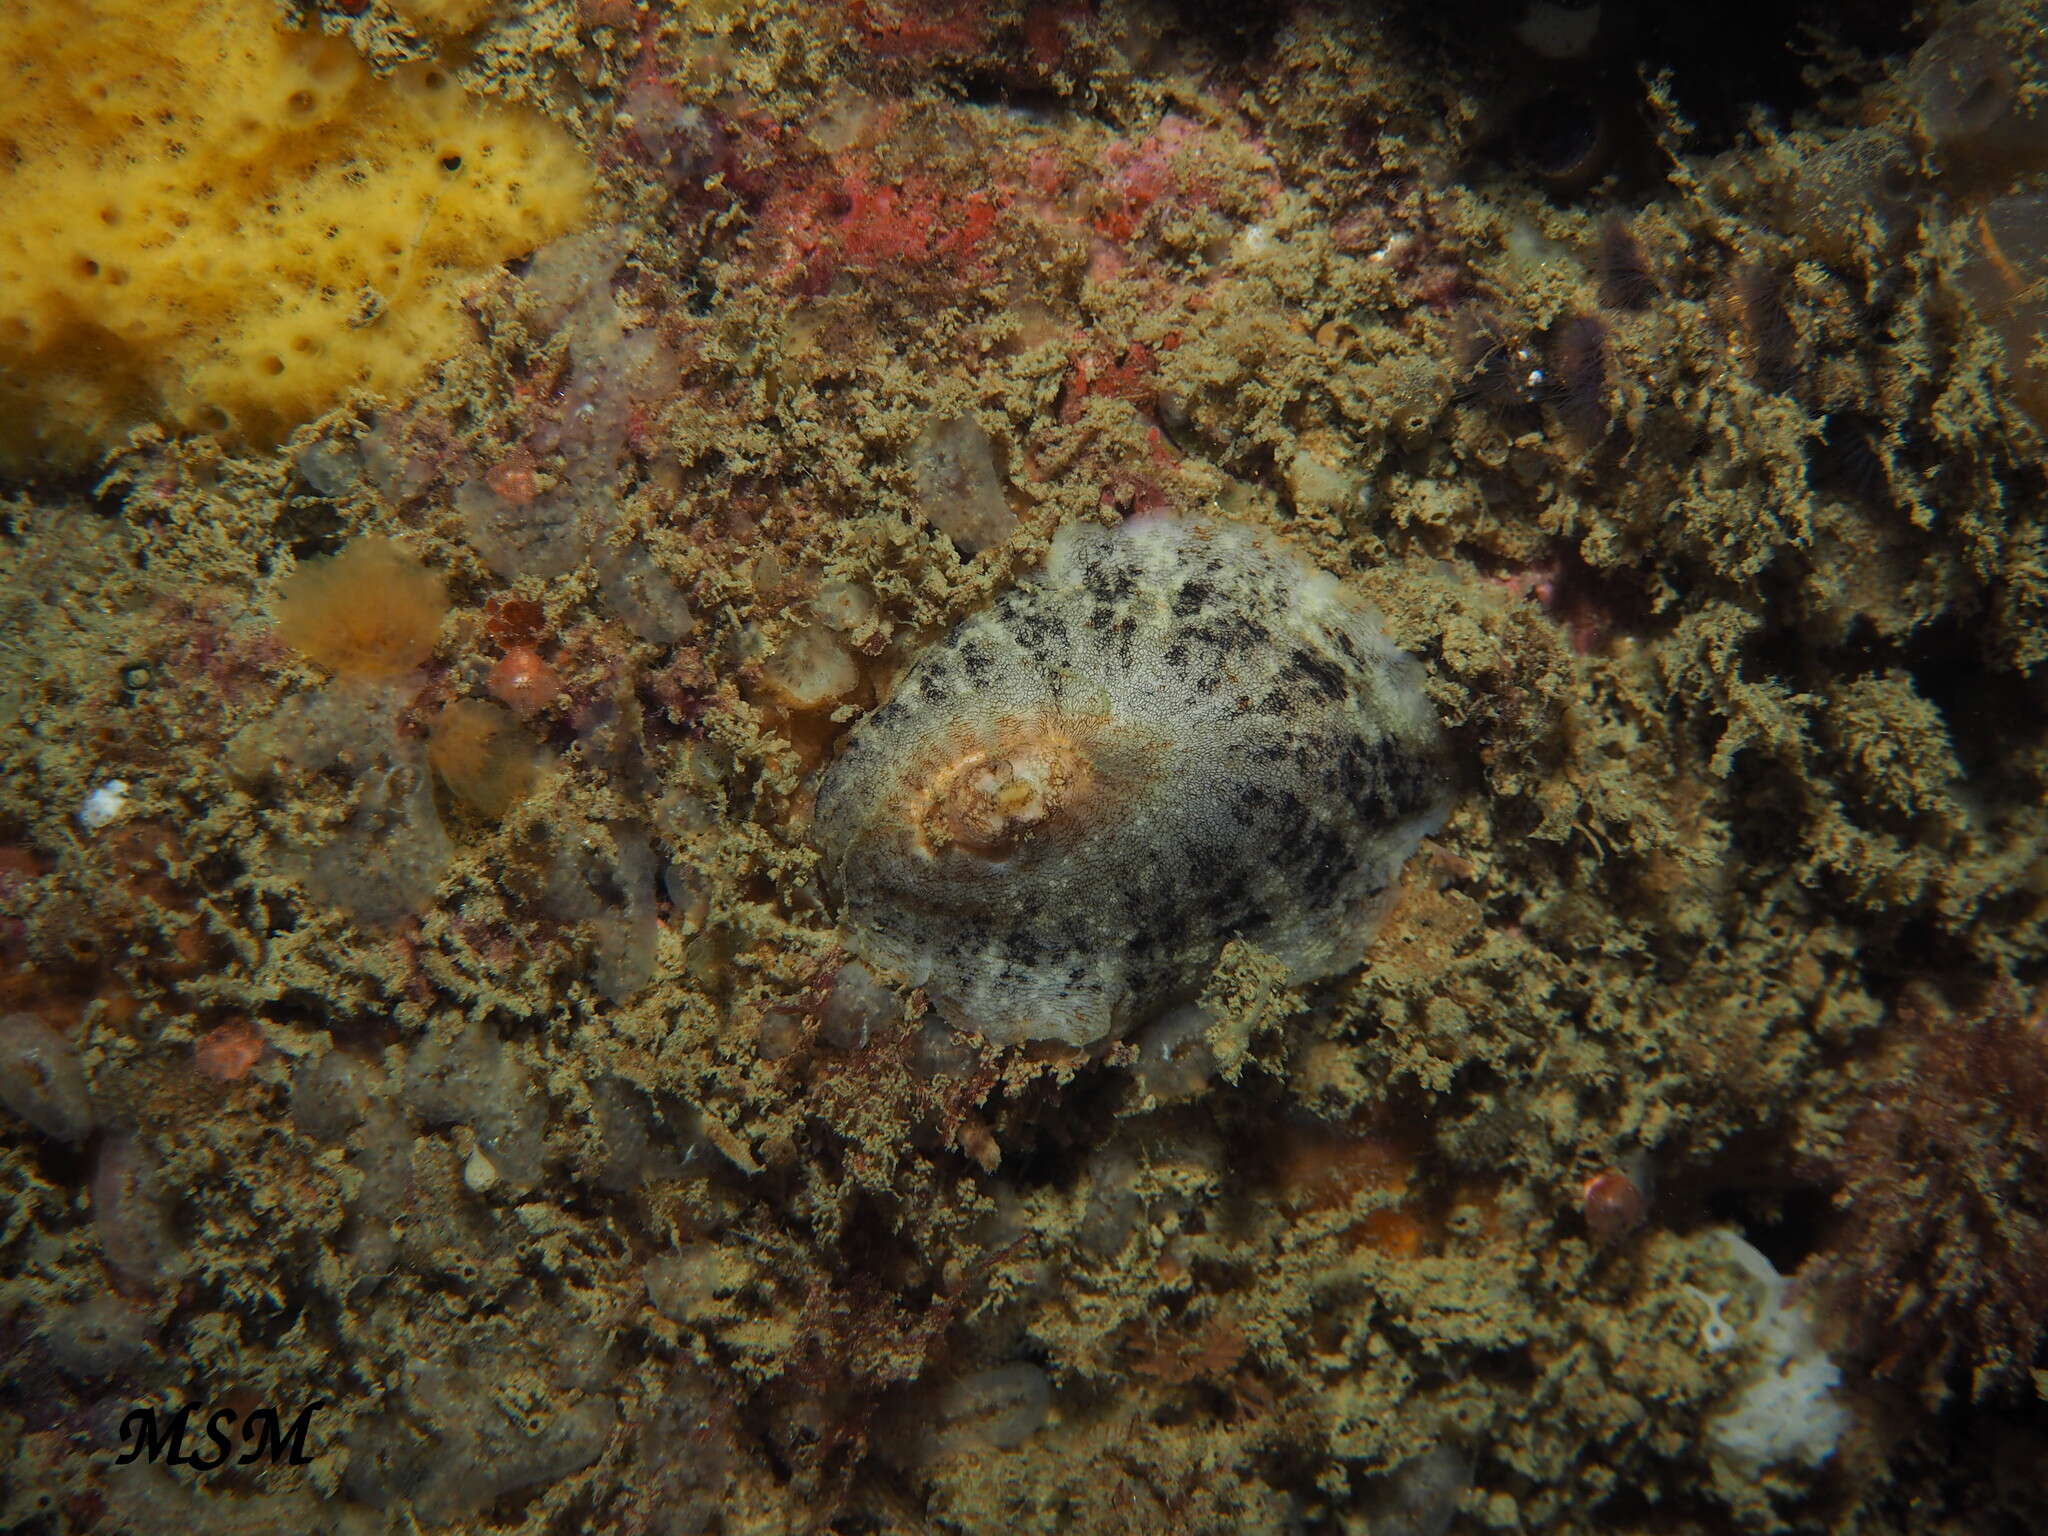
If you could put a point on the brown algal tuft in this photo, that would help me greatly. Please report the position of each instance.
(1941, 1262)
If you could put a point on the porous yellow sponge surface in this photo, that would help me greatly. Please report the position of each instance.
(444, 18)
(212, 222)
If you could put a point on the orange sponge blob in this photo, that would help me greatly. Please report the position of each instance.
(482, 755)
(218, 225)
(371, 611)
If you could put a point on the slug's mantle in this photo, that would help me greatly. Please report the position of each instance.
(1179, 733)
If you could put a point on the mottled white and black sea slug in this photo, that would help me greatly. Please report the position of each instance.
(1178, 733)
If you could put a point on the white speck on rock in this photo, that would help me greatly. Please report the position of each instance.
(479, 1173)
(104, 805)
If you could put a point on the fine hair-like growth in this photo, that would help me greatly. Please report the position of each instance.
(1767, 325)
(1623, 272)
(1578, 357)
(1941, 1262)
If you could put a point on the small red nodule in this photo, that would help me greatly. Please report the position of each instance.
(227, 1053)
(523, 682)
(1614, 1205)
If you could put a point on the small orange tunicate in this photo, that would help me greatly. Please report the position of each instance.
(512, 478)
(1397, 1234)
(1614, 1205)
(1175, 1060)
(960, 487)
(523, 682)
(778, 1034)
(226, 1054)
(128, 1212)
(487, 761)
(373, 610)
(1973, 103)
(990, 1410)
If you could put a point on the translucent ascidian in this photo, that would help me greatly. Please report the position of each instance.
(40, 1078)
(2005, 272)
(1178, 734)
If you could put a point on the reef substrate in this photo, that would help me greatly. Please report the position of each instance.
(429, 980)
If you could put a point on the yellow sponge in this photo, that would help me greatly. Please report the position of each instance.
(443, 18)
(223, 226)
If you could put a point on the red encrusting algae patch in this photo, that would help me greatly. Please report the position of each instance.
(854, 217)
